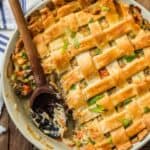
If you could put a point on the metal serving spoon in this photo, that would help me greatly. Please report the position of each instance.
(45, 97)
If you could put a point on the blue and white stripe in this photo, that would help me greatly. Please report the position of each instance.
(3, 15)
(6, 17)
(3, 42)
(7, 21)
(24, 5)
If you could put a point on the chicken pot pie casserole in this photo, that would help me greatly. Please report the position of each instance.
(97, 54)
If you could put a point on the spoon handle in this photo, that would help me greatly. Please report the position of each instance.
(28, 43)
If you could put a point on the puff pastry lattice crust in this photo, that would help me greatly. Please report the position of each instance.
(100, 50)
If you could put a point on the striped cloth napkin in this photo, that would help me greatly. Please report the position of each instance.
(6, 17)
(7, 26)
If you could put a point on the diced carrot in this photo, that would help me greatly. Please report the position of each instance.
(19, 73)
(26, 89)
(16, 56)
(79, 134)
(103, 73)
(21, 61)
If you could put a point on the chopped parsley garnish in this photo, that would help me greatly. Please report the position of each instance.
(127, 101)
(105, 8)
(71, 33)
(91, 141)
(33, 85)
(98, 109)
(146, 109)
(110, 140)
(76, 43)
(65, 46)
(66, 43)
(78, 144)
(94, 99)
(126, 122)
(97, 51)
(63, 50)
(73, 87)
(132, 35)
(24, 55)
(91, 20)
(26, 67)
(101, 19)
(131, 57)
(26, 80)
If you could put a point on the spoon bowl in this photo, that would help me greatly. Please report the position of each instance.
(45, 100)
(41, 95)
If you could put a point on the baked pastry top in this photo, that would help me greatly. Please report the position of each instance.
(98, 54)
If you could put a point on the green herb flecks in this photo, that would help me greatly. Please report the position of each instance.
(127, 101)
(91, 20)
(63, 50)
(146, 109)
(24, 55)
(26, 67)
(76, 42)
(126, 122)
(33, 85)
(110, 140)
(105, 8)
(73, 87)
(94, 99)
(26, 80)
(97, 51)
(71, 33)
(98, 109)
(78, 144)
(131, 57)
(91, 141)
(132, 35)
(65, 46)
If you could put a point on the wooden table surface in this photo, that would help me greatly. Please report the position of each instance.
(13, 140)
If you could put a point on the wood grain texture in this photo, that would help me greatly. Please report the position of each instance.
(13, 140)
(16, 140)
(4, 138)
(145, 3)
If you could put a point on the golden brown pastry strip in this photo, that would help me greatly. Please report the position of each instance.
(135, 128)
(120, 139)
(71, 78)
(68, 8)
(111, 81)
(116, 98)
